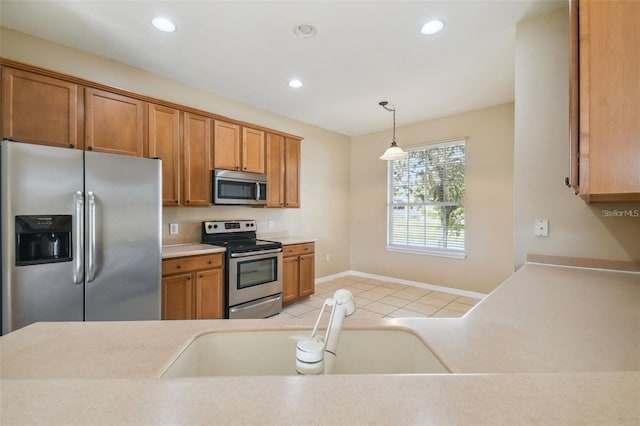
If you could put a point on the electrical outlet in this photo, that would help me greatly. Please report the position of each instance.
(542, 228)
(270, 224)
(173, 229)
(327, 257)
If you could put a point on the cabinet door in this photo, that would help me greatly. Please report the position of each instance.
(226, 146)
(209, 294)
(253, 150)
(164, 143)
(290, 278)
(275, 170)
(307, 275)
(292, 172)
(609, 106)
(177, 297)
(197, 160)
(113, 123)
(39, 109)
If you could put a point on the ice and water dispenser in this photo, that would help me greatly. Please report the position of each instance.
(43, 239)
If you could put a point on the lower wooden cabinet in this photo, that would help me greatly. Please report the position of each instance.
(193, 287)
(299, 272)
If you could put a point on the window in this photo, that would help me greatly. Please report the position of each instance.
(425, 205)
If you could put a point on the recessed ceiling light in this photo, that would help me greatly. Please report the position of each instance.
(305, 30)
(163, 24)
(295, 83)
(432, 27)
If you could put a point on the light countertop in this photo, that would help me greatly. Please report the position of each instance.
(289, 239)
(192, 249)
(552, 345)
(179, 250)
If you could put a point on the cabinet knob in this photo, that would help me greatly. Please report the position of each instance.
(71, 145)
(90, 148)
(176, 201)
(188, 201)
(189, 278)
(200, 276)
(178, 266)
(210, 262)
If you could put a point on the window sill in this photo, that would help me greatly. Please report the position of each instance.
(428, 252)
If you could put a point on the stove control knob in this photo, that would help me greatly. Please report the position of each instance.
(209, 226)
(215, 226)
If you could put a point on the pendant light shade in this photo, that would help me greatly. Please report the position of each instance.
(394, 152)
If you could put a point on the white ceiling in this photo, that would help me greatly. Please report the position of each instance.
(364, 51)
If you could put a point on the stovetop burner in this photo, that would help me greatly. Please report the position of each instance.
(237, 236)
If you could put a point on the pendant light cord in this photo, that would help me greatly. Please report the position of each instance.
(384, 104)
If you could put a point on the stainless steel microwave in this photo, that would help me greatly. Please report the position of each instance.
(239, 188)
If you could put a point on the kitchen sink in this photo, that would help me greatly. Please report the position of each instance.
(273, 352)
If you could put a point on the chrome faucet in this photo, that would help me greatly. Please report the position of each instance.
(315, 355)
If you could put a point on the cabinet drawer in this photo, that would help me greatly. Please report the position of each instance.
(298, 249)
(191, 263)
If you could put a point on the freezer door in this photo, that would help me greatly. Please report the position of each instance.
(123, 237)
(39, 180)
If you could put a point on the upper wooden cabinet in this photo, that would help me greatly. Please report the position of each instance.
(164, 143)
(607, 103)
(291, 172)
(197, 160)
(283, 171)
(45, 107)
(275, 170)
(186, 168)
(237, 147)
(226, 145)
(113, 123)
(253, 150)
(39, 109)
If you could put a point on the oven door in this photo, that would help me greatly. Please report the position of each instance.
(254, 275)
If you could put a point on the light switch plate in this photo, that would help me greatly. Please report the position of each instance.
(173, 229)
(542, 228)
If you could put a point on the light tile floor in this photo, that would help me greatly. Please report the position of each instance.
(379, 299)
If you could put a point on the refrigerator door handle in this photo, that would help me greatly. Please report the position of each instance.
(92, 236)
(78, 244)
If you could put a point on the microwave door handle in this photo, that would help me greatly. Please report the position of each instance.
(92, 236)
(78, 236)
(257, 191)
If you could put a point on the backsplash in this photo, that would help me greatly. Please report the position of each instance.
(189, 221)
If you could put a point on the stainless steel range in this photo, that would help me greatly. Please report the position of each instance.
(253, 268)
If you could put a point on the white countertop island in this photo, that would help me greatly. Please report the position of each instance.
(552, 345)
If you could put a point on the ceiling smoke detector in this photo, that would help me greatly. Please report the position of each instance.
(304, 30)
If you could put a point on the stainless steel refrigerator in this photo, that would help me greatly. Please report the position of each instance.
(81, 235)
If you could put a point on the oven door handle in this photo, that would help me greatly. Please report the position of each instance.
(263, 302)
(256, 253)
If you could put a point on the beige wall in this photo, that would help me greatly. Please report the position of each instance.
(541, 157)
(324, 181)
(488, 202)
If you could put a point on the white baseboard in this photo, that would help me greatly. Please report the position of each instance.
(450, 290)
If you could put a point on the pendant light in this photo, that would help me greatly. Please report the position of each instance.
(394, 152)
